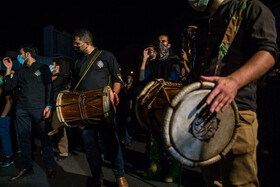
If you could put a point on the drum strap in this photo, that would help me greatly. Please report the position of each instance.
(231, 31)
(95, 56)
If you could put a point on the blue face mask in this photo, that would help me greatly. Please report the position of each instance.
(128, 81)
(20, 60)
(51, 68)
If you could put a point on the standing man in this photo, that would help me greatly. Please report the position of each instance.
(236, 45)
(104, 71)
(163, 64)
(60, 75)
(166, 65)
(33, 106)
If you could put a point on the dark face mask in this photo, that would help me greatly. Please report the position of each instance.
(163, 51)
(78, 50)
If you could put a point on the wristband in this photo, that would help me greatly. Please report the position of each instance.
(50, 107)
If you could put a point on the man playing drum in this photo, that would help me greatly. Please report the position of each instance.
(236, 45)
(103, 72)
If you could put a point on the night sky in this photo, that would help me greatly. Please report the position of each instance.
(122, 27)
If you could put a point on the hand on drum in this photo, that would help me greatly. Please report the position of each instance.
(47, 113)
(223, 94)
(114, 98)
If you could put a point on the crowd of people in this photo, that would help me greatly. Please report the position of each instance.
(232, 54)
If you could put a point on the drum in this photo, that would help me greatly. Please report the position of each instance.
(152, 102)
(81, 108)
(193, 135)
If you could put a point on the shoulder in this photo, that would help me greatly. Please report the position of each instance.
(174, 59)
(256, 8)
(42, 66)
(107, 54)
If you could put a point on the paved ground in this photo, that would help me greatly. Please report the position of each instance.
(74, 172)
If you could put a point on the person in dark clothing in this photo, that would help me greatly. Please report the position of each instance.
(236, 45)
(163, 64)
(166, 65)
(34, 105)
(6, 153)
(60, 69)
(103, 72)
(124, 110)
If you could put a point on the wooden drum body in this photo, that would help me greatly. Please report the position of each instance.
(152, 102)
(89, 107)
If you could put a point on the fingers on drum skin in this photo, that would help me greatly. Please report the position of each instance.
(221, 103)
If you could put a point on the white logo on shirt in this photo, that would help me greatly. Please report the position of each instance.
(100, 64)
(37, 73)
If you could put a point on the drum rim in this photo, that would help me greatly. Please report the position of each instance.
(108, 116)
(166, 128)
(58, 108)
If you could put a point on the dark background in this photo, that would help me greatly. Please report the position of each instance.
(125, 28)
(122, 27)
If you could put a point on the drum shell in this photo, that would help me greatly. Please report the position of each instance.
(81, 108)
(150, 108)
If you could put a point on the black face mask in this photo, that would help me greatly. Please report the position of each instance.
(78, 50)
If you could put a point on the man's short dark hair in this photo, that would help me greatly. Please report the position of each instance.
(31, 48)
(84, 35)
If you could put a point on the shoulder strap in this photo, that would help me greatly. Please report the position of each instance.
(231, 32)
(95, 56)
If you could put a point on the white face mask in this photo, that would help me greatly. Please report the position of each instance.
(199, 5)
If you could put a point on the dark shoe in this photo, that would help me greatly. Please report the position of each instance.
(122, 182)
(50, 172)
(21, 174)
(6, 161)
(59, 158)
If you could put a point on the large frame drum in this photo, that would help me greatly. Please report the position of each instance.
(152, 102)
(82, 108)
(193, 135)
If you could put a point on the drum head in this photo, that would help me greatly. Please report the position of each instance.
(59, 109)
(192, 134)
(108, 109)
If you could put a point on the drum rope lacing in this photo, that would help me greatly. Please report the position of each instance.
(160, 84)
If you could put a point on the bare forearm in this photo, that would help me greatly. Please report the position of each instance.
(256, 66)
(143, 65)
(8, 71)
(117, 87)
(7, 107)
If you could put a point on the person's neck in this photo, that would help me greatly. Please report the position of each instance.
(90, 49)
(214, 6)
(30, 62)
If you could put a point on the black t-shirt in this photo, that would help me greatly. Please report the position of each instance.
(34, 84)
(257, 32)
(104, 71)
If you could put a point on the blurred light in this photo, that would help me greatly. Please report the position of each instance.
(131, 72)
